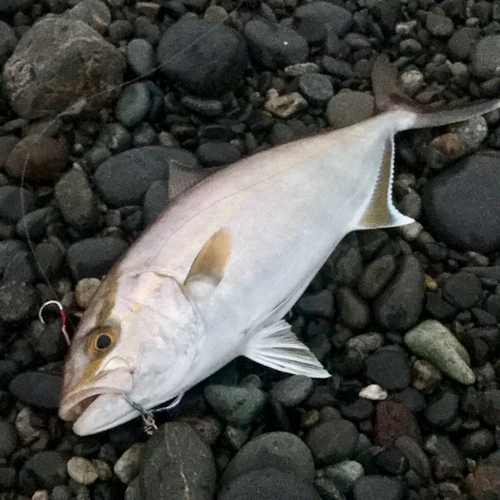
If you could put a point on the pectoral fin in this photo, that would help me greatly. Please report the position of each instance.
(381, 211)
(277, 347)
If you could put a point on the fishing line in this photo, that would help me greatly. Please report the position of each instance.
(74, 110)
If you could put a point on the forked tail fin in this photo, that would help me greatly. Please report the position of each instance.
(388, 96)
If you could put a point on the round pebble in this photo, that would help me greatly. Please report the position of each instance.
(292, 390)
(37, 388)
(316, 88)
(82, 471)
(141, 56)
(349, 107)
(127, 467)
(133, 104)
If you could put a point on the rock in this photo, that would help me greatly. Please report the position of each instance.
(373, 392)
(389, 368)
(215, 153)
(282, 451)
(316, 88)
(292, 390)
(349, 107)
(266, 484)
(462, 42)
(425, 376)
(317, 304)
(45, 470)
(344, 474)
(15, 202)
(401, 303)
(125, 178)
(76, 200)
(17, 301)
(365, 343)
(141, 56)
(8, 440)
(37, 388)
(45, 58)
(94, 257)
(375, 276)
(475, 179)
(393, 420)
(478, 444)
(275, 46)
(284, 106)
(442, 408)
(236, 405)
(484, 483)
(345, 264)
(207, 107)
(155, 201)
(472, 132)
(490, 409)
(133, 105)
(446, 460)
(378, 488)
(416, 457)
(127, 467)
(82, 471)
(176, 463)
(462, 290)
(213, 61)
(332, 441)
(437, 25)
(435, 343)
(85, 290)
(8, 42)
(92, 12)
(353, 310)
(486, 57)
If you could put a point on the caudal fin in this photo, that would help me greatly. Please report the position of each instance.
(388, 96)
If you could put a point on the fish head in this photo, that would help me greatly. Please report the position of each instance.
(138, 357)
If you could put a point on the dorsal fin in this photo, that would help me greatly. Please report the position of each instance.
(381, 211)
(213, 257)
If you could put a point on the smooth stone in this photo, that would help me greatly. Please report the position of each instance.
(377, 487)
(213, 58)
(37, 389)
(293, 390)
(17, 301)
(486, 57)
(353, 310)
(82, 471)
(206, 107)
(94, 257)
(275, 46)
(435, 343)
(176, 463)
(282, 451)
(268, 483)
(133, 105)
(437, 25)
(401, 303)
(316, 88)
(7, 144)
(478, 444)
(155, 201)
(15, 202)
(239, 406)
(34, 224)
(375, 276)
(51, 55)
(463, 41)
(127, 467)
(48, 257)
(389, 368)
(442, 408)
(344, 474)
(215, 153)
(393, 420)
(85, 290)
(8, 439)
(44, 470)
(462, 290)
(416, 456)
(317, 304)
(141, 56)
(348, 108)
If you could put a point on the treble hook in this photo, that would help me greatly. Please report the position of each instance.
(63, 318)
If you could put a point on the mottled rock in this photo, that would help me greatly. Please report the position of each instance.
(17, 300)
(392, 421)
(82, 471)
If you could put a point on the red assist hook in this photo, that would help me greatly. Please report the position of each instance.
(63, 318)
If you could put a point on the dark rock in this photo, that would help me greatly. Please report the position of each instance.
(176, 463)
(439, 308)
(94, 257)
(17, 300)
(462, 42)
(8, 439)
(400, 305)
(20, 268)
(462, 290)
(155, 201)
(360, 409)
(411, 398)
(486, 58)
(316, 88)
(447, 462)
(478, 444)
(392, 421)
(393, 461)
(203, 58)
(141, 56)
(8, 42)
(491, 407)
(45, 470)
(8, 478)
(92, 12)
(8, 250)
(442, 408)
(477, 180)
(15, 202)
(282, 451)
(484, 483)
(8, 368)
(332, 441)
(207, 107)
(34, 224)
(375, 276)
(292, 390)
(37, 389)
(345, 264)
(125, 178)
(417, 459)
(275, 46)
(353, 310)
(215, 153)
(438, 25)
(317, 304)
(15, 5)
(266, 484)
(378, 488)
(389, 368)
(48, 258)
(133, 105)
(51, 56)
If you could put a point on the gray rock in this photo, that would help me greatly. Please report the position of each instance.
(378, 488)
(127, 467)
(51, 55)
(34, 224)
(236, 405)
(353, 310)
(486, 57)
(37, 388)
(275, 46)
(282, 451)
(463, 41)
(82, 471)
(215, 153)
(45, 470)
(349, 107)
(115, 137)
(207, 107)
(15, 5)
(317, 304)
(8, 439)
(389, 368)
(292, 390)
(8, 42)
(462, 290)
(155, 201)
(438, 25)
(133, 105)
(17, 301)
(416, 457)
(345, 264)
(442, 408)
(15, 202)
(76, 200)
(284, 106)
(375, 276)
(478, 444)
(92, 12)
(141, 56)
(401, 303)
(434, 342)
(316, 88)
(176, 463)
(94, 257)
(213, 60)
(447, 462)
(365, 343)
(344, 474)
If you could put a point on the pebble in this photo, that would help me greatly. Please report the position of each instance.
(268, 483)
(125, 178)
(490, 409)
(45, 53)
(437, 25)
(373, 392)
(15, 202)
(284, 106)
(155, 201)
(115, 137)
(133, 105)
(435, 343)
(127, 467)
(486, 57)
(8, 42)
(275, 46)
(141, 57)
(353, 310)
(281, 451)
(37, 388)
(85, 290)
(206, 107)
(44, 470)
(376, 275)
(316, 88)
(36, 223)
(365, 343)
(425, 375)
(293, 390)
(472, 132)
(393, 420)
(332, 441)
(484, 482)
(8, 439)
(94, 257)
(239, 406)
(401, 303)
(215, 153)
(176, 463)
(463, 290)
(349, 107)
(442, 408)
(92, 12)
(203, 58)
(345, 264)
(446, 460)
(317, 304)
(82, 471)
(416, 456)
(17, 300)
(478, 444)
(344, 474)
(463, 41)
(389, 368)
(377, 487)
(76, 200)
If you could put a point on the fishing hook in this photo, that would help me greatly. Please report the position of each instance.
(63, 318)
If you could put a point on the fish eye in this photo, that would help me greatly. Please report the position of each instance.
(101, 339)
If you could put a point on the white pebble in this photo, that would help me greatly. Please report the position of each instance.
(373, 392)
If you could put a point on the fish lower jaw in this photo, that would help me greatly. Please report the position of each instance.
(72, 413)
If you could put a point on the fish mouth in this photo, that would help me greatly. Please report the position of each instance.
(72, 408)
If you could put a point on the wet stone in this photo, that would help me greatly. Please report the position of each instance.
(389, 368)
(318, 304)
(446, 460)
(416, 456)
(37, 388)
(82, 471)
(353, 310)
(344, 474)
(45, 470)
(392, 461)
(34, 224)
(133, 105)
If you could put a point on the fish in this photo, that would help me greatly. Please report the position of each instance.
(213, 277)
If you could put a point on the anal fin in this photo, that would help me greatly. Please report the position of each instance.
(381, 211)
(276, 346)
